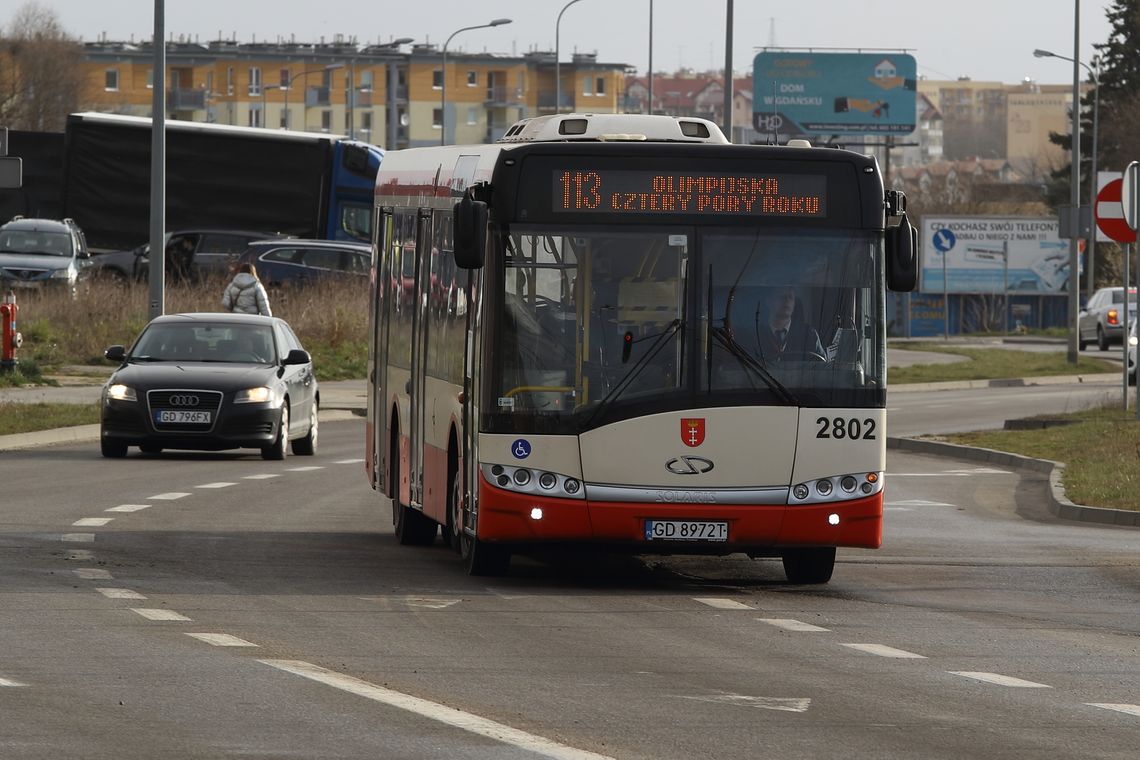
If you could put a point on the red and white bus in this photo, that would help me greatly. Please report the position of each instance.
(622, 330)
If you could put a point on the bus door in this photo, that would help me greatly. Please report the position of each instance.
(417, 400)
(382, 298)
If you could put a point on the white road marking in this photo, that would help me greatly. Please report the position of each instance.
(262, 476)
(92, 522)
(10, 682)
(435, 711)
(80, 554)
(782, 704)
(722, 604)
(169, 496)
(128, 508)
(896, 509)
(430, 603)
(999, 680)
(789, 624)
(882, 650)
(1126, 709)
(156, 614)
(221, 640)
(894, 474)
(307, 468)
(980, 471)
(348, 461)
(120, 593)
(92, 574)
(78, 538)
(221, 484)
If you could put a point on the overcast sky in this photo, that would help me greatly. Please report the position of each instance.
(981, 39)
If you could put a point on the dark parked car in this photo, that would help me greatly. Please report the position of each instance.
(190, 254)
(1103, 318)
(211, 382)
(293, 261)
(39, 253)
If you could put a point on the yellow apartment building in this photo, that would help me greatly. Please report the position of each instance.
(393, 95)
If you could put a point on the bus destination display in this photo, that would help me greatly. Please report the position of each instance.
(647, 192)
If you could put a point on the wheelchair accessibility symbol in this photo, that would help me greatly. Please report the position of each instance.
(521, 448)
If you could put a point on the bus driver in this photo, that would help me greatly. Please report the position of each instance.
(781, 335)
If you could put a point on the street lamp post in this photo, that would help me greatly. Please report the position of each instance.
(298, 75)
(443, 74)
(1094, 74)
(558, 60)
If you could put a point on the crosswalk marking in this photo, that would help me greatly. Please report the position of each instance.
(881, 650)
(171, 496)
(156, 614)
(221, 640)
(120, 593)
(92, 574)
(1126, 709)
(92, 522)
(789, 624)
(128, 508)
(999, 680)
(722, 604)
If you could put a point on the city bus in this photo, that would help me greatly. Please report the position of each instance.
(571, 343)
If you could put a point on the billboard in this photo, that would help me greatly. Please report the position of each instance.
(833, 93)
(993, 254)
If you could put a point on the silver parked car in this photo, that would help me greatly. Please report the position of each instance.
(1103, 318)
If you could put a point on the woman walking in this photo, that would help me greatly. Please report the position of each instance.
(245, 294)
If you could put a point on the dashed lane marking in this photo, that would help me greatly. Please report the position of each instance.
(437, 712)
(1126, 709)
(221, 640)
(262, 476)
(307, 468)
(999, 680)
(348, 461)
(781, 704)
(882, 650)
(78, 538)
(10, 682)
(92, 574)
(788, 624)
(722, 604)
(120, 593)
(128, 508)
(156, 614)
(171, 496)
(80, 554)
(92, 522)
(917, 503)
(221, 484)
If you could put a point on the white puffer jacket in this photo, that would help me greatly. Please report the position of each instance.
(246, 294)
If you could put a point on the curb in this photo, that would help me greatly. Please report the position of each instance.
(1059, 504)
(1099, 378)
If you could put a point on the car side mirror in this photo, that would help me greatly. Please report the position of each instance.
(297, 356)
(115, 353)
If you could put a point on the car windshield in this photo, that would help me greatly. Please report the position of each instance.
(597, 324)
(39, 242)
(198, 342)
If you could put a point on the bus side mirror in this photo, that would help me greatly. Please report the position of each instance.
(470, 218)
(902, 256)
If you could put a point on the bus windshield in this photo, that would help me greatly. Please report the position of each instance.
(596, 324)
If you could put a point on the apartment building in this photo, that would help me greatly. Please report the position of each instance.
(392, 95)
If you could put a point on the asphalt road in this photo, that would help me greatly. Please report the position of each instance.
(217, 605)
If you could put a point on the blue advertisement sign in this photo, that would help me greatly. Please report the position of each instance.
(834, 93)
(993, 254)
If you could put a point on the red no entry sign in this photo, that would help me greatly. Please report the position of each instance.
(1110, 213)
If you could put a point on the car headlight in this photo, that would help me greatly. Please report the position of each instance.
(120, 392)
(261, 395)
(63, 274)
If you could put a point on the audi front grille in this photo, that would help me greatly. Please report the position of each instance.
(181, 400)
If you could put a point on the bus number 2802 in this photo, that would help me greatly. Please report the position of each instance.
(845, 429)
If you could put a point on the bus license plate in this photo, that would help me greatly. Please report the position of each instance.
(178, 417)
(685, 530)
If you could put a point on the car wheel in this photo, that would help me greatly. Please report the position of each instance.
(112, 449)
(277, 450)
(804, 566)
(307, 446)
(1101, 339)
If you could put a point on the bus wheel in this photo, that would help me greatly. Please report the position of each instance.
(413, 528)
(482, 558)
(804, 566)
(454, 527)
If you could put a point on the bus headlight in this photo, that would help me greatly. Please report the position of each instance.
(524, 480)
(836, 488)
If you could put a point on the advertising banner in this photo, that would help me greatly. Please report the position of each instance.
(833, 93)
(993, 254)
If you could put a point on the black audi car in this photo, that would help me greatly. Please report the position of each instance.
(211, 382)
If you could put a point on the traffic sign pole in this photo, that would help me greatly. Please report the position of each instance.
(1128, 204)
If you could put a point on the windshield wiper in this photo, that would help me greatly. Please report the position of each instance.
(636, 369)
(725, 338)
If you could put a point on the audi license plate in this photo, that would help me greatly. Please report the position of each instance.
(179, 417)
(685, 530)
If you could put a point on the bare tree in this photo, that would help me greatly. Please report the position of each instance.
(41, 71)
